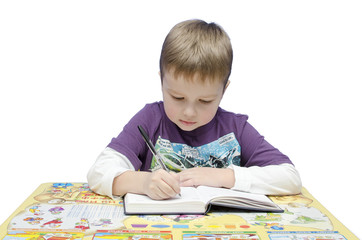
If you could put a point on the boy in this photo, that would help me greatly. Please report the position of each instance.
(202, 143)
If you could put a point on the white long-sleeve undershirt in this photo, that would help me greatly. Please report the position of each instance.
(280, 179)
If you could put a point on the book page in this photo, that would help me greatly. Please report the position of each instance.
(208, 193)
(188, 194)
(189, 202)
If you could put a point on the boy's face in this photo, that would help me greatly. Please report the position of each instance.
(190, 103)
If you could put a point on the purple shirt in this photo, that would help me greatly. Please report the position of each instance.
(227, 139)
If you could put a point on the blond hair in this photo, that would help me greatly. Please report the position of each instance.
(196, 47)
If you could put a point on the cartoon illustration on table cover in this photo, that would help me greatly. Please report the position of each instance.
(315, 235)
(31, 235)
(207, 235)
(298, 212)
(70, 206)
(74, 206)
(70, 193)
(133, 235)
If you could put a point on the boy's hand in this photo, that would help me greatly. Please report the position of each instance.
(161, 184)
(207, 176)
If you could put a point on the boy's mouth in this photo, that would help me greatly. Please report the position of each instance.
(187, 123)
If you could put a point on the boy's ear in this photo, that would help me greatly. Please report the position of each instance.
(159, 74)
(226, 85)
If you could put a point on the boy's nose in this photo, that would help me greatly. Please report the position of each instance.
(190, 111)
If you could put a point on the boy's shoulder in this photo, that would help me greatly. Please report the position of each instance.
(149, 111)
(155, 109)
(154, 105)
(231, 121)
(224, 114)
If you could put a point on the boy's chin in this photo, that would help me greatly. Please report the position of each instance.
(186, 128)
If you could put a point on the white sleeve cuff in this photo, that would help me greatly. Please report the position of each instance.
(242, 178)
(108, 165)
(280, 179)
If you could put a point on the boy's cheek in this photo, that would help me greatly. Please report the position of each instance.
(170, 111)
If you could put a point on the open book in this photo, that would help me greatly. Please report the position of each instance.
(197, 201)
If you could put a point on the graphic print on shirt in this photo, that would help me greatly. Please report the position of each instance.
(218, 154)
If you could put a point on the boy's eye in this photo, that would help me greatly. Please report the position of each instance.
(205, 101)
(177, 98)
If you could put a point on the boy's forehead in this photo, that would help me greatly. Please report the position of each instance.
(182, 83)
(195, 77)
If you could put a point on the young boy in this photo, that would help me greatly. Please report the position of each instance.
(202, 143)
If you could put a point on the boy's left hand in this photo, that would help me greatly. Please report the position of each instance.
(214, 177)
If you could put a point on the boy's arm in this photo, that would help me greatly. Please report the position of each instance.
(107, 167)
(263, 169)
(280, 179)
(114, 175)
(207, 176)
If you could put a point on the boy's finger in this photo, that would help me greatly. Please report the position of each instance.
(175, 175)
(175, 183)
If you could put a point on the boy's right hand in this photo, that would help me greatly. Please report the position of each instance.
(161, 184)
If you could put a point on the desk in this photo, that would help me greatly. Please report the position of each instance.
(72, 207)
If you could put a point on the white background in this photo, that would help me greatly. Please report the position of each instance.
(72, 73)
